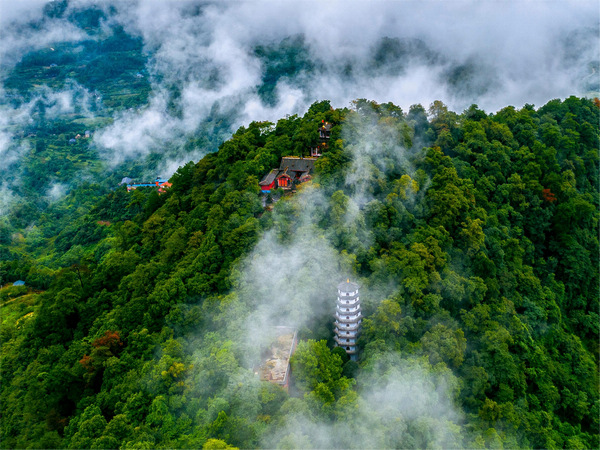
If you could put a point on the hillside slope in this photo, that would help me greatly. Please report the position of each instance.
(474, 238)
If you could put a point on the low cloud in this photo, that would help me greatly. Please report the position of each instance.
(290, 276)
(460, 52)
(402, 403)
(56, 191)
(136, 133)
(206, 74)
(18, 120)
(24, 28)
(7, 199)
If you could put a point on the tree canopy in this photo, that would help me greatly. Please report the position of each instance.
(474, 237)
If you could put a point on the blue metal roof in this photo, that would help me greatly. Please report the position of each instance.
(19, 283)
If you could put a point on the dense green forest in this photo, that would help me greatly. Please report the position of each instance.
(474, 238)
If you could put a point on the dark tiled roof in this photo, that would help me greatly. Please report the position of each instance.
(269, 178)
(295, 164)
(284, 173)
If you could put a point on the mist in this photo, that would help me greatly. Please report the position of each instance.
(290, 279)
(212, 67)
(407, 52)
(397, 395)
(18, 119)
(245, 61)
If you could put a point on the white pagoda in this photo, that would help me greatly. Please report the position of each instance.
(348, 318)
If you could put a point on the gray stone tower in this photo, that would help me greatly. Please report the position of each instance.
(348, 317)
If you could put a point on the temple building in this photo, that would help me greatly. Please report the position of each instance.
(295, 170)
(269, 181)
(348, 318)
(292, 171)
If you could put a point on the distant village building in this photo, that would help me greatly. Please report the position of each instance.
(348, 318)
(275, 366)
(19, 283)
(159, 183)
(162, 185)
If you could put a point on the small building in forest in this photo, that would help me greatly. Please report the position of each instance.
(324, 136)
(293, 170)
(162, 184)
(324, 131)
(269, 181)
(284, 179)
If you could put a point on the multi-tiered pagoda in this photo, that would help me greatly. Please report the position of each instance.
(348, 318)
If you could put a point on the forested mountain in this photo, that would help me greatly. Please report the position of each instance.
(474, 237)
(142, 317)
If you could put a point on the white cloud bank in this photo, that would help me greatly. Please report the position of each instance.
(460, 52)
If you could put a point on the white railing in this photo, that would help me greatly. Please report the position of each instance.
(349, 302)
(347, 294)
(340, 341)
(342, 333)
(347, 317)
(347, 326)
